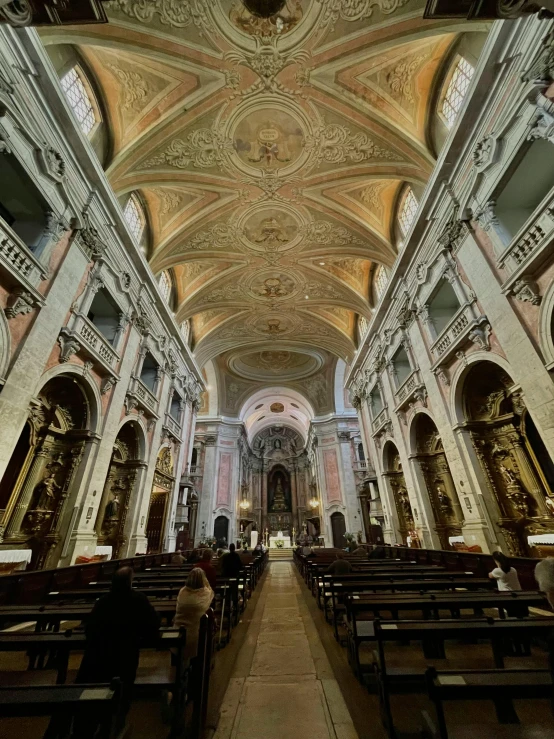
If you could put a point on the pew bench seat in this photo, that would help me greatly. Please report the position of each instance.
(500, 687)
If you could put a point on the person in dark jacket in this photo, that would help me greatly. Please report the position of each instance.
(340, 566)
(117, 626)
(231, 563)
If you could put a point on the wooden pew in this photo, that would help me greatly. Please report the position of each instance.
(431, 635)
(64, 703)
(324, 581)
(338, 589)
(498, 686)
(360, 629)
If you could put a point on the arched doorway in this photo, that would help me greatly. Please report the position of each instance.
(119, 489)
(161, 490)
(507, 446)
(221, 531)
(444, 499)
(38, 485)
(397, 483)
(338, 527)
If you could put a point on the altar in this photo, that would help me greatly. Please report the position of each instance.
(279, 537)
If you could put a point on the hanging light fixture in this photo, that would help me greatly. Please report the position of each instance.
(244, 505)
(313, 503)
(264, 8)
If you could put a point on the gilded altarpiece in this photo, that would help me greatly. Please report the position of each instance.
(58, 434)
(164, 481)
(118, 491)
(495, 412)
(445, 503)
(399, 490)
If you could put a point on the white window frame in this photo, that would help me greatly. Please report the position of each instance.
(134, 217)
(80, 99)
(456, 90)
(165, 285)
(381, 280)
(407, 211)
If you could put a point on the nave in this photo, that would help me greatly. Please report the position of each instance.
(283, 684)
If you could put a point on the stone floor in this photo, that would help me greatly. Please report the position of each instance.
(283, 684)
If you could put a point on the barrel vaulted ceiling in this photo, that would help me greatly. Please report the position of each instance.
(269, 156)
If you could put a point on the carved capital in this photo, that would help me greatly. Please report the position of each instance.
(130, 403)
(485, 215)
(480, 336)
(20, 302)
(542, 123)
(108, 383)
(527, 291)
(69, 346)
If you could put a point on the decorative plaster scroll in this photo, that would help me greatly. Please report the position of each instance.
(355, 10)
(224, 480)
(170, 13)
(203, 148)
(335, 144)
(135, 90)
(332, 481)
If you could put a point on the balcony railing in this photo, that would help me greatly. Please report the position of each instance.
(17, 259)
(172, 425)
(144, 394)
(531, 241)
(407, 387)
(92, 339)
(456, 333)
(380, 419)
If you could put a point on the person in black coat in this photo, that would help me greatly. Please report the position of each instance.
(118, 625)
(231, 563)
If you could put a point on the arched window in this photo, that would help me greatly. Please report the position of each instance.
(165, 286)
(407, 211)
(134, 216)
(381, 279)
(456, 91)
(185, 330)
(75, 88)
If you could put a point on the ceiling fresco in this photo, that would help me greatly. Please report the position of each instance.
(269, 155)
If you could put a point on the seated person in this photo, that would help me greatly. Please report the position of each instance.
(177, 558)
(193, 557)
(119, 622)
(360, 552)
(206, 565)
(231, 563)
(340, 566)
(377, 553)
(192, 603)
(503, 573)
(306, 550)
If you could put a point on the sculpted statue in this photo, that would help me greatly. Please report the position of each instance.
(443, 499)
(112, 509)
(48, 489)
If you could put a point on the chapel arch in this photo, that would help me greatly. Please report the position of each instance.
(120, 488)
(397, 485)
(41, 482)
(164, 481)
(428, 447)
(505, 441)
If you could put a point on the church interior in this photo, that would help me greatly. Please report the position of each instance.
(277, 369)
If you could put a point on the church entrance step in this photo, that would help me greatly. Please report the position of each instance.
(280, 554)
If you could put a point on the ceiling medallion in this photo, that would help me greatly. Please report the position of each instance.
(264, 8)
(276, 407)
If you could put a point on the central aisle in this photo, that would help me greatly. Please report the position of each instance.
(283, 684)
